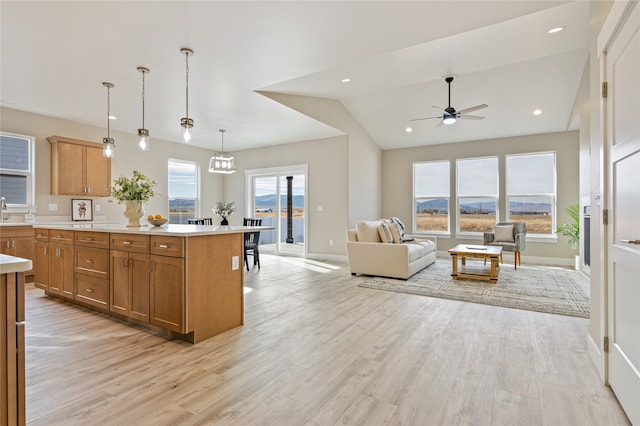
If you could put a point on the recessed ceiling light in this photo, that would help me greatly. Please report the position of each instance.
(537, 111)
(555, 30)
(408, 129)
(346, 80)
(112, 117)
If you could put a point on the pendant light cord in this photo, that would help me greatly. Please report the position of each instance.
(186, 59)
(143, 73)
(108, 111)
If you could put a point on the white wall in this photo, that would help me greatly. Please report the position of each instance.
(327, 182)
(126, 159)
(364, 155)
(397, 185)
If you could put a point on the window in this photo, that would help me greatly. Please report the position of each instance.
(431, 196)
(184, 190)
(16, 170)
(531, 191)
(477, 184)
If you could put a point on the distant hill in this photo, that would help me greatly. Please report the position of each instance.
(442, 206)
(269, 201)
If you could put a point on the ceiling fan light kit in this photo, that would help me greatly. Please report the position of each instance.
(450, 115)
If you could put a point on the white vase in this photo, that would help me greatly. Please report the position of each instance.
(134, 212)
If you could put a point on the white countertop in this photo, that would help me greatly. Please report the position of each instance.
(168, 229)
(11, 264)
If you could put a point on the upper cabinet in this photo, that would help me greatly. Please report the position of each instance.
(78, 168)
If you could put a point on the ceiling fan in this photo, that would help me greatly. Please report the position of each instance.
(450, 115)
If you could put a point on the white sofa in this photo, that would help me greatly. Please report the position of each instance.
(369, 255)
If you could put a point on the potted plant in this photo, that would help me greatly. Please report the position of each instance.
(224, 210)
(133, 192)
(571, 230)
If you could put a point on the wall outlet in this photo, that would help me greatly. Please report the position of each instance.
(235, 263)
(97, 207)
(53, 207)
(331, 243)
(320, 208)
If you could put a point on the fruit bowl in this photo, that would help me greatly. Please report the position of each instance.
(158, 222)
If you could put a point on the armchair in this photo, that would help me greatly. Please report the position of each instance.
(511, 236)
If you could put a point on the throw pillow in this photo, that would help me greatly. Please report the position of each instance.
(395, 232)
(385, 233)
(367, 231)
(400, 226)
(503, 233)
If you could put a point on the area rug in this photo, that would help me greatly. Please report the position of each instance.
(553, 290)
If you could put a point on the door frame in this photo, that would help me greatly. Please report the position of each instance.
(296, 169)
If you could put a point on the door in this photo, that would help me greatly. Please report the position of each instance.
(70, 169)
(623, 145)
(41, 265)
(278, 197)
(166, 292)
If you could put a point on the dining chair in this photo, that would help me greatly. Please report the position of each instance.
(252, 241)
(200, 221)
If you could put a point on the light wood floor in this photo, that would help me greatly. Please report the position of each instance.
(317, 350)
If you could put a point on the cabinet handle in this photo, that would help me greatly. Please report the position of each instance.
(7, 243)
(45, 250)
(59, 237)
(58, 252)
(89, 239)
(126, 243)
(89, 261)
(13, 244)
(39, 235)
(89, 290)
(126, 262)
(164, 245)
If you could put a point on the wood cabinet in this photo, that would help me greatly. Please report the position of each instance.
(166, 286)
(189, 285)
(78, 168)
(92, 268)
(130, 272)
(12, 349)
(54, 261)
(18, 241)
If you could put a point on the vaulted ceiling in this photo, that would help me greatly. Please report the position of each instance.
(55, 56)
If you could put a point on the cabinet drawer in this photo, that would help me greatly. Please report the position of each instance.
(60, 236)
(92, 261)
(41, 235)
(91, 290)
(92, 239)
(167, 246)
(130, 242)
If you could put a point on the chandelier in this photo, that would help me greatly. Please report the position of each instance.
(220, 163)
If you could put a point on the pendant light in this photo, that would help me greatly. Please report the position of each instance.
(108, 144)
(220, 163)
(186, 122)
(143, 134)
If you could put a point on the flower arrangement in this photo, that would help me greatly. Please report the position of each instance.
(139, 187)
(223, 209)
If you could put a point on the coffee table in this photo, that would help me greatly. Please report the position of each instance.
(486, 273)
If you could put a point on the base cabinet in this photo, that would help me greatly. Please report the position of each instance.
(18, 241)
(61, 276)
(130, 284)
(166, 283)
(41, 265)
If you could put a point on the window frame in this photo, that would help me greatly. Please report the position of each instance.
(197, 198)
(495, 198)
(553, 196)
(30, 195)
(417, 199)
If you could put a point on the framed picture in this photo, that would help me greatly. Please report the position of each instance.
(81, 209)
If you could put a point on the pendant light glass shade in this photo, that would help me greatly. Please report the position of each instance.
(220, 163)
(108, 144)
(185, 122)
(143, 134)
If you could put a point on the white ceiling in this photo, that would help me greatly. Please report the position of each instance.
(55, 56)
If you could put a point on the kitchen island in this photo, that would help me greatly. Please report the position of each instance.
(12, 359)
(185, 280)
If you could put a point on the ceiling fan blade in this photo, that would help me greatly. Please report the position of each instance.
(475, 108)
(440, 123)
(438, 108)
(471, 117)
(424, 118)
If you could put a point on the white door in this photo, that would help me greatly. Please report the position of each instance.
(623, 144)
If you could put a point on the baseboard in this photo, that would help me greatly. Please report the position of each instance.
(597, 357)
(330, 257)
